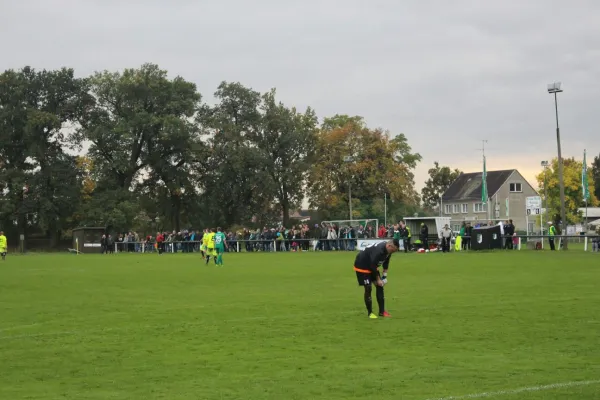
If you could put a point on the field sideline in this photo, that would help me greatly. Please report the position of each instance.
(505, 325)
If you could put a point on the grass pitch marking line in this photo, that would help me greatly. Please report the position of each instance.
(520, 390)
(11, 328)
(33, 335)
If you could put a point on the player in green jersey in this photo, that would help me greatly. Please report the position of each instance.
(220, 244)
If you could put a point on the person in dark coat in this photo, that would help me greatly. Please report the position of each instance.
(424, 235)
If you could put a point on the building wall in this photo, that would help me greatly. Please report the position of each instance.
(498, 211)
(516, 203)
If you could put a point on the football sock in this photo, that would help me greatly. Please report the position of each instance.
(368, 302)
(380, 299)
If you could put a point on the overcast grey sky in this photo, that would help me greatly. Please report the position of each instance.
(446, 73)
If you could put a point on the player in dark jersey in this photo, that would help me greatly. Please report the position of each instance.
(367, 274)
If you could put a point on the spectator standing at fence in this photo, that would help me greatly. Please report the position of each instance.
(509, 230)
(382, 232)
(110, 244)
(119, 243)
(332, 238)
(446, 234)
(371, 232)
(396, 234)
(103, 245)
(596, 241)
(402, 235)
(551, 233)
(515, 242)
(160, 243)
(467, 239)
(352, 237)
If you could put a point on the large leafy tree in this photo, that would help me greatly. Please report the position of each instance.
(351, 157)
(596, 176)
(39, 180)
(287, 139)
(573, 192)
(137, 126)
(440, 179)
(236, 185)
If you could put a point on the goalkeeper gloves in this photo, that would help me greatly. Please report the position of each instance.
(384, 278)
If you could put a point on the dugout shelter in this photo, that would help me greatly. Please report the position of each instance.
(87, 240)
(434, 224)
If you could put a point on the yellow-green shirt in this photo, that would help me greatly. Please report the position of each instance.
(211, 240)
(3, 242)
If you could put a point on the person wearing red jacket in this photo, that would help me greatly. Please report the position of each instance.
(382, 231)
(160, 242)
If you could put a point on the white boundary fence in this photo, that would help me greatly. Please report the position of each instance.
(590, 243)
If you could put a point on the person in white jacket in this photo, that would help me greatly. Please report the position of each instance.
(332, 238)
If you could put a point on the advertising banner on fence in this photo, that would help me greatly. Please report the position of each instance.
(364, 243)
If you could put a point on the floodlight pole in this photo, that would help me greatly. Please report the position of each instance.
(555, 89)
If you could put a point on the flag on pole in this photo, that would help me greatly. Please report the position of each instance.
(584, 179)
(484, 192)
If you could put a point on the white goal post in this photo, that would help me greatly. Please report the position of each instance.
(343, 223)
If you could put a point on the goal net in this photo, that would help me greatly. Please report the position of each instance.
(346, 223)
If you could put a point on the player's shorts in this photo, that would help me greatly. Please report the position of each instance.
(203, 247)
(219, 250)
(211, 251)
(366, 279)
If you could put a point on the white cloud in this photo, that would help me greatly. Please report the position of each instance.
(447, 74)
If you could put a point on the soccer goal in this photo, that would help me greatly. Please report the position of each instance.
(346, 223)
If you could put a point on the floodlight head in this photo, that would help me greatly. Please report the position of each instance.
(545, 163)
(554, 87)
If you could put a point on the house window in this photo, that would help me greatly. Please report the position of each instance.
(465, 208)
(456, 208)
(448, 209)
(479, 207)
(456, 228)
(516, 188)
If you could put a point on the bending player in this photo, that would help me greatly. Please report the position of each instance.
(366, 264)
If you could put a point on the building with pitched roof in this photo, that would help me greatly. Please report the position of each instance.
(507, 191)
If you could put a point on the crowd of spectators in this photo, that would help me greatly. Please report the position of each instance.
(302, 237)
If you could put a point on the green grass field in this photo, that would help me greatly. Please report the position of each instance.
(514, 326)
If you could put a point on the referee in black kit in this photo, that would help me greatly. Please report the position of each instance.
(366, 266)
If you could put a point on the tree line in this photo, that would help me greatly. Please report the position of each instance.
(137, 149)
